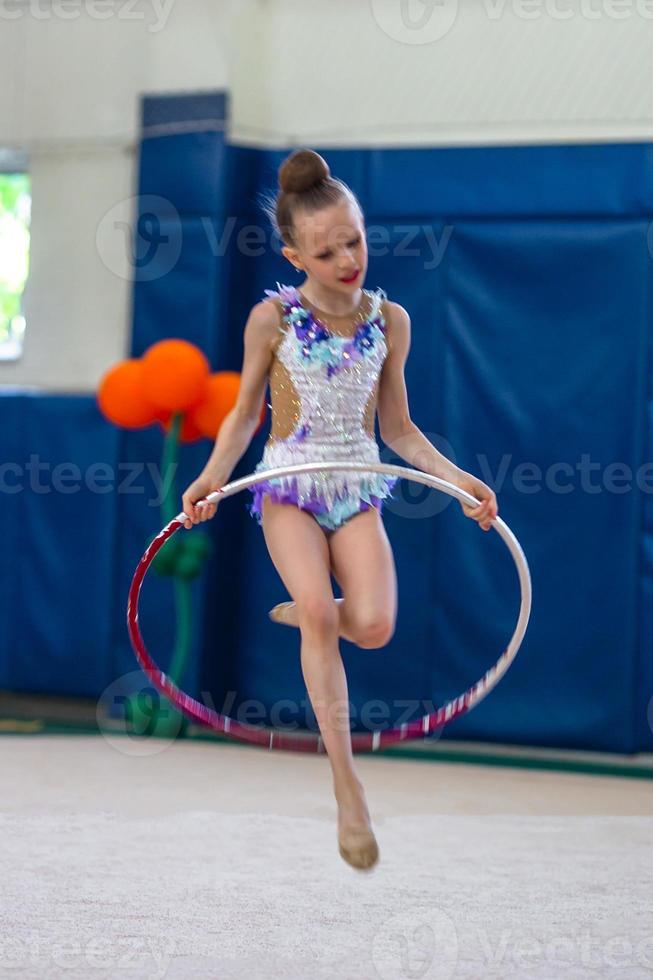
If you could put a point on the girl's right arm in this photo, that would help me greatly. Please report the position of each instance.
(241, 422)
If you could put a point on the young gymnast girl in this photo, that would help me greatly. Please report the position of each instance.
(333, 354)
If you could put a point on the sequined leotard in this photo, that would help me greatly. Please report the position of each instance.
(323, 387)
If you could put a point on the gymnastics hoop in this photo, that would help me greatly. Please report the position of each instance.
(312, 741)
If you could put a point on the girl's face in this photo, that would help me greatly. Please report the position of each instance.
(331, 247)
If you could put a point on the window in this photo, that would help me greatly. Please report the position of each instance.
(15, 208)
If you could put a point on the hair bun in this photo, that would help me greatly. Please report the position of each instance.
(302, 170)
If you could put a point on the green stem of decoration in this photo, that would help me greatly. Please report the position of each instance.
(169, 510)
(182, 641)
(169, 463)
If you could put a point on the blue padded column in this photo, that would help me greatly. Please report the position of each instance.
(180, 269)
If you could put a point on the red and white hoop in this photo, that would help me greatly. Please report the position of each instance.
(312, 741)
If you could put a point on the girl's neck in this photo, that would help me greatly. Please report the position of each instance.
(330, 302)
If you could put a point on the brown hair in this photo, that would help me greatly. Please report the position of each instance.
(305, 184)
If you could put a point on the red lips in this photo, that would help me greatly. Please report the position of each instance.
(352, 278)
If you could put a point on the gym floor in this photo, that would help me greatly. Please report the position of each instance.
(186, 858)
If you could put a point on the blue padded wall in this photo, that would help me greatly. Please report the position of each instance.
(527, 273)
(60, 532)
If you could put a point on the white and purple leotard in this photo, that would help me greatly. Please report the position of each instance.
(323, 387)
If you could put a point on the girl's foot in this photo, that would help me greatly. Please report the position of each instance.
(277, 612)
(358, 847)
(356, 841)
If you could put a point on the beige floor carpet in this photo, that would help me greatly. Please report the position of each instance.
(208, 861)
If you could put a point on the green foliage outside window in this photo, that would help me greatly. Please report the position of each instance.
(15, 204)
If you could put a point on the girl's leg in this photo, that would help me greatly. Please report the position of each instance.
(286, 613)
(300, 553)
(363, 565)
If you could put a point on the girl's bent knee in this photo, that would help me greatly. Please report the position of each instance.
(318, 614)
(374, 633)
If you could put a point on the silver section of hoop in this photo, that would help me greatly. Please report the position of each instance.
(417, 476)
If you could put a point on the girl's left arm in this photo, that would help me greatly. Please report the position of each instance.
(400, 433)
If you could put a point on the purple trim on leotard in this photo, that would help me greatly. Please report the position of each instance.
(315, 505)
